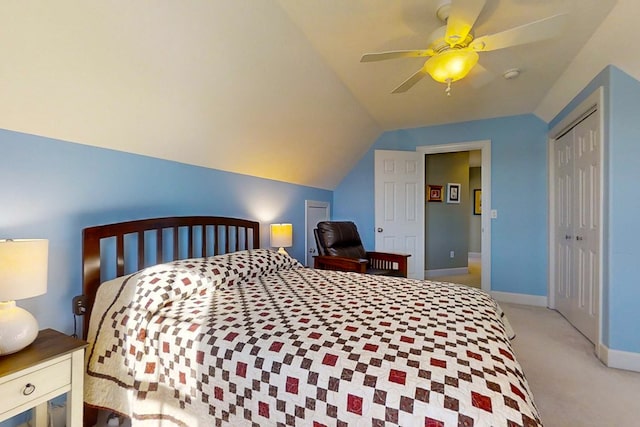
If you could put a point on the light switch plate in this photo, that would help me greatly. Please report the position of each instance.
(494, 213)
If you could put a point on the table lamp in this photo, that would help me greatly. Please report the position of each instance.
(23, 274)
(281, 236)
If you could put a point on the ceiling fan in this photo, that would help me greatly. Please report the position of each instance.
(453, 48)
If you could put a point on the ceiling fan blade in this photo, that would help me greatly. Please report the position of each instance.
(371, 57)
(462, 16)
(408, 84)
(534, 31)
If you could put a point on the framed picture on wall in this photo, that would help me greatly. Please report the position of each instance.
(434, 193)
(453, 193)
(477, 202)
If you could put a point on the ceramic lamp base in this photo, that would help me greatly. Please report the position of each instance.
(18, 328)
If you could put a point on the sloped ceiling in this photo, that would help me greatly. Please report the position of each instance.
(612, 43)
(267, 88)
(230, 85)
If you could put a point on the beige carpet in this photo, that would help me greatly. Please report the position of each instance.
(472, 279)
(571, 386)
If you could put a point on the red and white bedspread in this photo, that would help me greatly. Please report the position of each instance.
(252, 338)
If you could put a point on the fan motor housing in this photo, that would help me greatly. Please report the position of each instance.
(438, 43)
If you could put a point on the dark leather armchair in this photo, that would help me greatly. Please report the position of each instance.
(340, 248)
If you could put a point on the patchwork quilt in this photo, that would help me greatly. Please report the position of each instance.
(254, 339)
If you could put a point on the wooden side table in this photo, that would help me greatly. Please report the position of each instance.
(52, 365)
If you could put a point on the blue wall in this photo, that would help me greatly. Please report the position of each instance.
(518, 185)
(624, 205)
(53, 189)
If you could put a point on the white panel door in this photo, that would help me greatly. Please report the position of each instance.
(314, 213)
(577, 219)
(399, 206)
(586, 226)
(563, 150)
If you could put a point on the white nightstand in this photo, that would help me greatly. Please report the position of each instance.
(52, 365)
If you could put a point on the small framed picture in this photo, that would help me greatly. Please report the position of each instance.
(477, 202)
(453, 193)
(434, 193)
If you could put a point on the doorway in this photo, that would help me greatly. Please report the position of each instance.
(453, 230)
(314, 212)
(484, 147)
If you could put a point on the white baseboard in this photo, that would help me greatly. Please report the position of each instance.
(475, 255)
(619, 359)
(446, 272)
(524, 299)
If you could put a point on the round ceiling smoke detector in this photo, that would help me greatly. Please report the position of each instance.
(511, 74)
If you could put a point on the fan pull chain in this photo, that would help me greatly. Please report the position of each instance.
(448, 89)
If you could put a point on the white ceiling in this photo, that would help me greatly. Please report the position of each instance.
(272, 88)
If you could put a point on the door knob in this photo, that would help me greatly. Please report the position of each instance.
(380, 230)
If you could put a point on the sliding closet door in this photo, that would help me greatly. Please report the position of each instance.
(578, 225)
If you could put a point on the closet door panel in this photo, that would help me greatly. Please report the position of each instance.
(586, 226)
(564, 200)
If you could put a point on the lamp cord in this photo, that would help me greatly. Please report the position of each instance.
(75, 326)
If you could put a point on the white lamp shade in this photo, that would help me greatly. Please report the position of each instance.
(23, 268)
(281, 235)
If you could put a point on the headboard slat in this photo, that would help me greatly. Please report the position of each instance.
(226, 240)
(176, 238)
(120, 254)
(159, 245)
(215, 240)
(203, 241)
(141, 245)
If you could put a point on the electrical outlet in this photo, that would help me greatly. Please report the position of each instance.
(79, 306)
(452, 254)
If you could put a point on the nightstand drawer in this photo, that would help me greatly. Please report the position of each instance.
(32, 386)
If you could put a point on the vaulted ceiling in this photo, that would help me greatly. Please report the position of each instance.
(275, 88)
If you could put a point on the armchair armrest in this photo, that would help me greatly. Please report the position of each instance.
(359, 265)
(388, 261)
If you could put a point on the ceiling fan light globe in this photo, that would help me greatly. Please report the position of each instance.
(451, 65)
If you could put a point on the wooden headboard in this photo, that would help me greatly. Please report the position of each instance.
(127, 247)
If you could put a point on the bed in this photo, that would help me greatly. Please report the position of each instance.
(207, 329)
